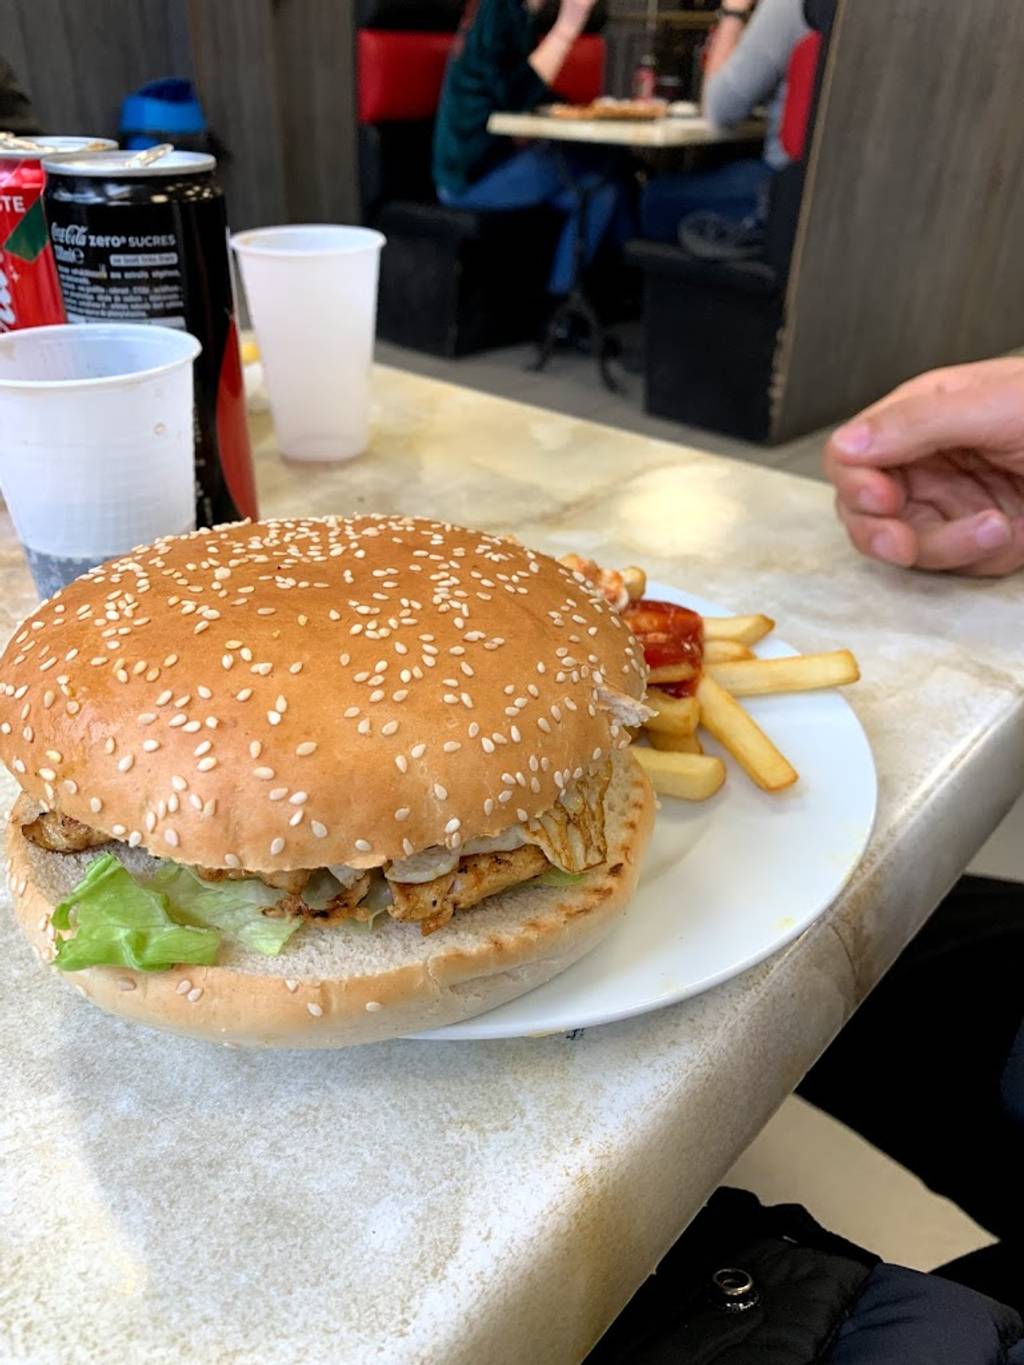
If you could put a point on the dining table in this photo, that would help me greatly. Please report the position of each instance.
(416, 1202)
(659, 134)
(615, 137)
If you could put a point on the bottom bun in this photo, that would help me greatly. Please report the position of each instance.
(336, 986)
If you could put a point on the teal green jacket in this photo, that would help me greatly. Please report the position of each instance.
(489, 71)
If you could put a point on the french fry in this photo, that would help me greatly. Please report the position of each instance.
(693, 777)
(674, 744)
(635, 582)
(736, 730)
(802, 673)
(673, 715)
(725, 651)
(672, 673)
(746, 630)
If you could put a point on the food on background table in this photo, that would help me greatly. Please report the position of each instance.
(163, 227)
(698, 666)
(610, 108)
(310, 783)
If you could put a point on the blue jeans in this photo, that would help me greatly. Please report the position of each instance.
(734, 190)
(538, 175)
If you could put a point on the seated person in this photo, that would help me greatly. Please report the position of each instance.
(746, 66)
(501, 63)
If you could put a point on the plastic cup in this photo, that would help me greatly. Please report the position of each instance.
(312, 292)
(96, 442)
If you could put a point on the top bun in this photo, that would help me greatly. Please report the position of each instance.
(294, 694)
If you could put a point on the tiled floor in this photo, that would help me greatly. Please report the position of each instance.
(801, 1155)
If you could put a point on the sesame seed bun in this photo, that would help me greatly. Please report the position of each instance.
(335, 986)
(291, 694)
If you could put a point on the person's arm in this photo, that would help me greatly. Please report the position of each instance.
(724, 39)
(747, 63)
(932, 476)
(548, 57)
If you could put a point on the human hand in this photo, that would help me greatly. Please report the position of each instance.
(932, 476)
(573, 16)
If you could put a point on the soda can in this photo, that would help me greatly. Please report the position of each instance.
(29, 292)
(142, 237)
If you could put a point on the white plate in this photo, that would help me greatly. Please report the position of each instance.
(726, 882)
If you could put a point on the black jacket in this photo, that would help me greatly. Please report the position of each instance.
(748, 1285)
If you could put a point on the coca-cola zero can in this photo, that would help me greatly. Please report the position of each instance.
(148, 243)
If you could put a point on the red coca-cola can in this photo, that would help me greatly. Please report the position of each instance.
(645, 78)
(29, 290)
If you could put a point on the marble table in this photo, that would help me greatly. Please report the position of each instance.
(417, 1202)
(639, 134)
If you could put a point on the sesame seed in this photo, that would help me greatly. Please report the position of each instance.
(319, 829)
(205, 764)
(297, 798)
(306, 748)
(364, 846)
(244, 695)
(401, 763)
(274, 717)
(418, 750)
(364, 726)
(48, 775)
(171, 837)
(95, 805)
(194, 994)
(125, 764)
(453, 824)
(276, 847)
(451, 746)
(191, 727)
(150, 746)
(315, 1010)
(350, 712)
(203, 748)
(407, 848)
(278, 793)
(440, 792)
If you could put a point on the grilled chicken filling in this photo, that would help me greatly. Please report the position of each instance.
(427, 889)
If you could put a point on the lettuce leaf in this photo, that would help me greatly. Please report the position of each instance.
(119, 923)
(234, 908)
(555, 876)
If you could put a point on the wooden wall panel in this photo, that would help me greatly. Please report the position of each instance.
(79, 58)
(277, 80)
(909, 248)
(316, 87)
(236, 71)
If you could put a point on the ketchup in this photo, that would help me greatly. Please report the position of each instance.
(670, 635)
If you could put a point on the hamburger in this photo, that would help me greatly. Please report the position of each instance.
(307, 783)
